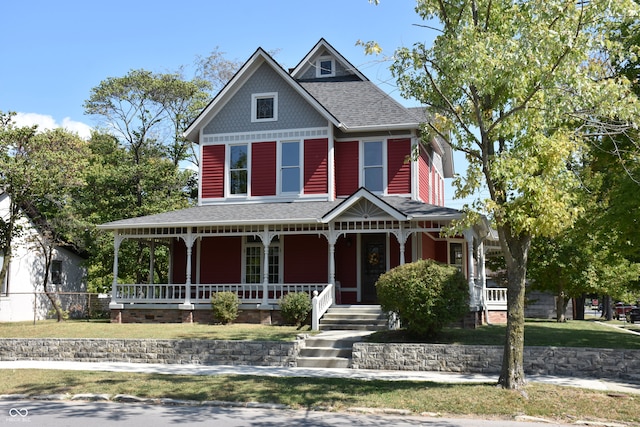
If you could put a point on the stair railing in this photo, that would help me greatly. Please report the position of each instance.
(320, 303)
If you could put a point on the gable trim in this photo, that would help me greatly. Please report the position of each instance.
(323, 44)
(255, 61)
(361, 194)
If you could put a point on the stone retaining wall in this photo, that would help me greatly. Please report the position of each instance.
(561, 361)
(205, 352)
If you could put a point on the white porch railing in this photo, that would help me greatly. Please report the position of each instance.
(248, 293)
(495, 298)
(319, 305)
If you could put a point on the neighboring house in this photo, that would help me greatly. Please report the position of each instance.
(311, 179)
(21, 294)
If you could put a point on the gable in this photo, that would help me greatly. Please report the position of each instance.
(294, 112)
(340, 70)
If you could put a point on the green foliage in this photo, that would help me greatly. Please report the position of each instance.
(425, 294)
(225, 306)
(295, 307)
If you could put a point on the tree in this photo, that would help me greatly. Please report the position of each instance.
(39, 171)
(520, 87)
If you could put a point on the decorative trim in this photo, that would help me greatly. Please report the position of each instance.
(266, 136)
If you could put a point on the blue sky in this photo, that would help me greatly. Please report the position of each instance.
(54, 52)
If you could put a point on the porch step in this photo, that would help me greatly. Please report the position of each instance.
(328, 350)
(354, 318)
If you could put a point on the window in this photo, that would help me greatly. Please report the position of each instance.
(264, 107)
(325, 67)
(290, 167)
(455, 255)
(254, 258)
(56, 272)
(238, 169)
(373, 167)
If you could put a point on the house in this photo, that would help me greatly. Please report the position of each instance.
(311, 179)
(22, 295)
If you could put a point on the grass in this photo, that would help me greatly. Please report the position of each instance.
(562, 404)
(588, 333)
(104, 329)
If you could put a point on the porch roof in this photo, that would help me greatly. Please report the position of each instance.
(300, 212)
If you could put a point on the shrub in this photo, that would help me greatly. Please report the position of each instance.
(225, 306)
(295, 307)
(425, 294)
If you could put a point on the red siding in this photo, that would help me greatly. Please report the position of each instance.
(212, 171)
(220, 260)
(398, 166)
(315, 166)
(306, 259)
(428, 247)
(179, 254)
(263, 169)
(347, 168)
(424, 177)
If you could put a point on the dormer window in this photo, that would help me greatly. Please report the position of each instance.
(325, 67)
(264, 107)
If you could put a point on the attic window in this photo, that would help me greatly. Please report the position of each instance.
(325, 67)
(264, 107)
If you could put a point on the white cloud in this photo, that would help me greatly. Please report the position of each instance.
(48, 122)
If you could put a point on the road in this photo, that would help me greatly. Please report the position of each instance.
(73, 413)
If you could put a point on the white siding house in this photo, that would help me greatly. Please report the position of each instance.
(21, 295)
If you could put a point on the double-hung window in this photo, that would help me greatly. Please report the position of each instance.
(290, 167)
(238, 169)
(254, 259)
(373, 167)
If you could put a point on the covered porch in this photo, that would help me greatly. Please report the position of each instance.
(334, 251)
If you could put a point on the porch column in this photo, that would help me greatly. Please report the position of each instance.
(482, 271)
(189, 239)
(117, 241)
(332, 238)
(468, 236)
(402, 235)
(266, 238)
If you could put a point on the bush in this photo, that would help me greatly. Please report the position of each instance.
(426, 295)
(225, 306)
(295, 307)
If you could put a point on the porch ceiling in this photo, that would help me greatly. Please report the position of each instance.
(308, 212)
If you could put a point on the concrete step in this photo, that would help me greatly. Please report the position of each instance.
(351, 327)
(323, 362)
(322, 352)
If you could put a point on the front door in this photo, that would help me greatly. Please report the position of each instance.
(373, 264)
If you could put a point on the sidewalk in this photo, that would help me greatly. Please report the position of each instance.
(438, 377)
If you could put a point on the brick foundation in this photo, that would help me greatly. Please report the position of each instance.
(205, 316)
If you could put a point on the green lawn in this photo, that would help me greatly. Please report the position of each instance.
(563, 404)
(588, 333)
(104, 329)
(577, 333)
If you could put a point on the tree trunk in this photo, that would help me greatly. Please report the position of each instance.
(561, 307)
(578, 308)
(48, 254)
(516, 249)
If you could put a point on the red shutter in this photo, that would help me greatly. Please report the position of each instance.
(347, 168)
(315, 166)
(399, 166)
(212, 178)
(263, 169)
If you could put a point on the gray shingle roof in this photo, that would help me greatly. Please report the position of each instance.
(360, 104)
(269, 213)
